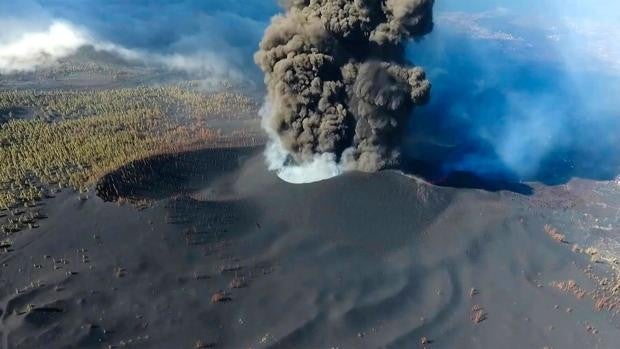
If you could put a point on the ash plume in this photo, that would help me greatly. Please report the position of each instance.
(339, 86)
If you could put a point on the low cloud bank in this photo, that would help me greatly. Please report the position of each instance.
(31, 50)
(203, 38)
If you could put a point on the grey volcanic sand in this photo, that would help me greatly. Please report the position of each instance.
(359, 261)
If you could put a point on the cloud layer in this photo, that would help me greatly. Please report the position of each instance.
(29, 51)
(204, 38)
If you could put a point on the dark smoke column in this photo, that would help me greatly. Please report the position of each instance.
(338, 79)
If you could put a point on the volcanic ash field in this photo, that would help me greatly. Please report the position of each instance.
(226, 255)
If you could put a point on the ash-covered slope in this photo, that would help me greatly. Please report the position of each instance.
(245, 260)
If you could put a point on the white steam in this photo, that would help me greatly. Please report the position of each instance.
(26, 49)
(322, 167)
(31, 50)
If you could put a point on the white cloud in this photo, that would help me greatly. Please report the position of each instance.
(30, 50)
(26, 50)
(322, 167)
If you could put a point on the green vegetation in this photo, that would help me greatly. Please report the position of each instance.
(72, 138)
(170, 100)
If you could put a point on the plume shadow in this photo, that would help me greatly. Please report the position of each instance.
(434, 173)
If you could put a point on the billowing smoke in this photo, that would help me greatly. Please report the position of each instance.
(338, 83)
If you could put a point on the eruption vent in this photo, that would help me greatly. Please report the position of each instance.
(340, 89)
